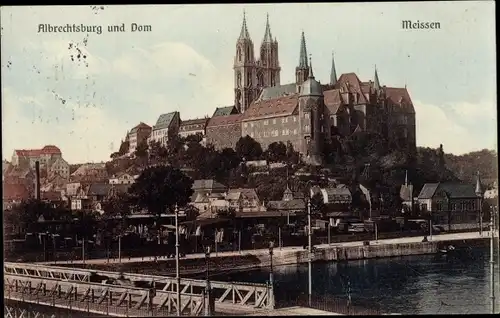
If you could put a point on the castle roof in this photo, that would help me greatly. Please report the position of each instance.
(47, 150)
(400, 97)
(225, 111)
(224, 120)
(140, 126)
(164, 121)
(278, 91)
(276, 107)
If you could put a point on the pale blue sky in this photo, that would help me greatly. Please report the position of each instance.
(132, 77)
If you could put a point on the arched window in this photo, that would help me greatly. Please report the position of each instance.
(249, 78)
(238, 79)
(260, 79)
(239, 54)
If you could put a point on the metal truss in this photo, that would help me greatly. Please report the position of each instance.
(227, 295)
(16, 312)
(110, 300)
(63, 273)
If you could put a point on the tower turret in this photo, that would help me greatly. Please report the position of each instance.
(333, 72)
(245, 87)
(311, 108)
(302, 70)
(268, 72)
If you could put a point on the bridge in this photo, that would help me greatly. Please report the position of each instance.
(91, 291)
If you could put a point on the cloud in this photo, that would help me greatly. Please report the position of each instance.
(460, 127)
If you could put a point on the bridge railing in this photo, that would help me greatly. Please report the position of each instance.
(249, 295)
(99, 298)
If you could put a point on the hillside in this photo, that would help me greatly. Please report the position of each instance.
(465, 166)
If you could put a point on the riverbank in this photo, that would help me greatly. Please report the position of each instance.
(227, 262)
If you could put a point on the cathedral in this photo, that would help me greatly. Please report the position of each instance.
(306, 112)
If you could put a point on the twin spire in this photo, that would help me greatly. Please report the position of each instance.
(245, 35)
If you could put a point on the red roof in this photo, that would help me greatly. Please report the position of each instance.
(333, 99)
(50, 195)
(400, 97)
(15, 192)
(224, 120)
(281, 106)
(47, 150)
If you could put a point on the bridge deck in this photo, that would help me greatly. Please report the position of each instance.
(79, 289)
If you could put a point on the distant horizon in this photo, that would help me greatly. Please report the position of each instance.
(82, 92)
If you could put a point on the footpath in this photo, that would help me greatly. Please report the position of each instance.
(284, 250)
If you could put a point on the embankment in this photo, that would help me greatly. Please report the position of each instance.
(248, 260)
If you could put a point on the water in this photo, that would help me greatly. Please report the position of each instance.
(429, 284)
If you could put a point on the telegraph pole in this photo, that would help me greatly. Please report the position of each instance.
(177, 257)
(310, 248)
(492, 262)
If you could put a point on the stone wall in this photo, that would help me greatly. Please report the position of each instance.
(225, 136)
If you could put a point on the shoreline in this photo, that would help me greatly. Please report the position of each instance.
(195, 266)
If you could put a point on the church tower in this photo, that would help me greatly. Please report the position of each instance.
(302, 70)
(268, 73)
(245, 86)
(311, 102)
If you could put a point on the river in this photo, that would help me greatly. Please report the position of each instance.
(423, 284)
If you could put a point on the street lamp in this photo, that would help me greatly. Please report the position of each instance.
(479, 194)
(177, 269)
(310, 248)
(207, 262)
(492, 261)
(271, 278)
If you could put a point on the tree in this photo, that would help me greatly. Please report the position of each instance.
(141, 152)
(191, 212)
(124, 147)
(276, 152)
(157, 152)
(248, 149)
(293, 157)
(318, 205)
(159, 189)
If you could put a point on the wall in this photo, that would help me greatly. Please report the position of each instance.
(224, 136)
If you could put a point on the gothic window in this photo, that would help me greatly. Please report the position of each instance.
(273, 79)
(248, 52)
(238, 79)
(239, 54)
(260, 79)
(249, 78)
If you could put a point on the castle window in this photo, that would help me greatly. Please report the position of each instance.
(238, 79)
(306, 115)
(294, 118)
(245, 125)
(274, 121)
(251, 125)
(295, 131)
(266, 122)
(306, 128)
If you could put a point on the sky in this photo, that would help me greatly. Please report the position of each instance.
(84, 91)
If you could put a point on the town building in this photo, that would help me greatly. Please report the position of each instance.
(244, 200)
(27, 157)
(166, 127)
(92, 196)
(90, 172)
(306, 112)
(406, 195)
(60, 167)
(14, 194)
(450, 203)
(137, 135)
(193, 127)
(122, 178)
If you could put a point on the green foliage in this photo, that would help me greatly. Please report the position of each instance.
(142, 150)
(159, 189)
(124, 148)
(248, 149)
(191, 212)
(276, 152)
(466, 166)
(318, 206)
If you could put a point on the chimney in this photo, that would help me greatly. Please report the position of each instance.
(37, 180)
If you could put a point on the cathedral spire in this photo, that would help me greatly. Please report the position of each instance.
(303, 52)
(268, 38)
(333, 74)
(376, 81)
(244, 35)
(311, 75)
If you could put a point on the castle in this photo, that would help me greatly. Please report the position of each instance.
(305, 113)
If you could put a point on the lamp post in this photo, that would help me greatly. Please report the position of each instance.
(207, 262)
(492, 262)
(479, 194)
(310, 247)
(271, 277)
(177, 269)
